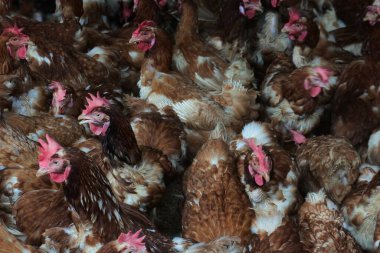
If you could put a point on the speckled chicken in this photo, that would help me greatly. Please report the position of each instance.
(321, 226)
(269, 177)
(361, 208)
(295, 99)
(215, 203)
(328, 162)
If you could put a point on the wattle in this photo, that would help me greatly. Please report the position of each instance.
(259, 180)
(21, 52)
(59, 178)
(250, 14)
(314, 91)
(99, 130)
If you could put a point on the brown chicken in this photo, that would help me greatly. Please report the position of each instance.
(321, 226)
(26, 95)
(311, 46)
(199, 61)
(295, 99)
(355, 110)
(196, 108)
(328, 162)
(86, 197)
(215, 204)
(270, 179)
(50, 60)
(136, 173)
(361, 209)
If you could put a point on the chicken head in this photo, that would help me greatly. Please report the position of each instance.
(144, 35)
(17, 44)
(60, 97)
(51, 160)
(296, 27)
(259, 164)
(249, 8)
(373, 13)
(98, 120)
(317, 80)
(131, 242)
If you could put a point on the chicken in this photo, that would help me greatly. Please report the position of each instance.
(361, 209)
(199, 61)
(355, 108)
(161, 130)
(50, 60)
(328, 162)
(136, 173)
(235, 26)
(86, 195)
(197, 109)
(295, 99)
(321, 226)
(18, 166)
(215, 203)
(269, 177)
(68, 101)
(25, 94)
(311, 44)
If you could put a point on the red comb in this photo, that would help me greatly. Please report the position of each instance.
(146, 23)
(47, 150)
(294, 15)
(14, 30)
(60, 92)
(259, 152)
(298, 137)
(94, 102)
(324, 73)
(133, 240)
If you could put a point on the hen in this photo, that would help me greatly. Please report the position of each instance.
(25, 94)
(270, 180)
(85, 197)
(328, 162)
(215, 204)
(321, 226)
(197, 109)
(199, 61)
(51, 60)
(361, 208)
(310, 43)
(136, 173)
(355, 110)
(295, 99)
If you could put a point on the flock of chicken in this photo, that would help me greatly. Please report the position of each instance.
(190, 126)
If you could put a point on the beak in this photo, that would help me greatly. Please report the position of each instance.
(134, 40)
(255, 6)
(84, 119)
(266, 176)
(41, 172)
(285, 29)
